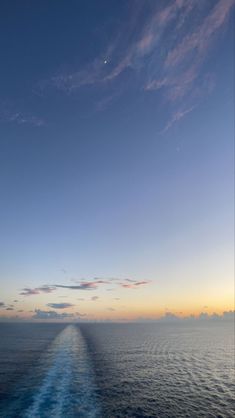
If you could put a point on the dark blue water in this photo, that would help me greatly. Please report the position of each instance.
(117, 370)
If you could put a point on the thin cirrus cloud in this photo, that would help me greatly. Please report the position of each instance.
(24, 119)
(176, 116)
(60, 305)
(166, 49)
(181, 69)
(9, 113)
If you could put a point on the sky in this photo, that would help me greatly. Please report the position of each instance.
(116, 159)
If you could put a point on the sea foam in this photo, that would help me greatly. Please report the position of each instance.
(67, 388)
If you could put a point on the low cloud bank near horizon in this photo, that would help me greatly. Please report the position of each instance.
(51, 315)
(79, 317)
(203, 316)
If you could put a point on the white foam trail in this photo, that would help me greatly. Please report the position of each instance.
(67, 388)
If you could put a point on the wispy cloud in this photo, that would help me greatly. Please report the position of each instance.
(199, 40)
(180, 75)
(110, 279)
(183, 61)
(24, 119)
(176, 116)
(164, 47)
(9, 114)
(94, 298)
(134, 285)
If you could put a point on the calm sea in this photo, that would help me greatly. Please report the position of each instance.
(117, 370)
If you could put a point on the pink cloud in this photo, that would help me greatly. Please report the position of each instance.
(201, 38)
(145, 42)
(167, 52)
(134, 285)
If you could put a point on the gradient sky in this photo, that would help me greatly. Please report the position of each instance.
(116, 161)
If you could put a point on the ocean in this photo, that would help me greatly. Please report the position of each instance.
(181, 369)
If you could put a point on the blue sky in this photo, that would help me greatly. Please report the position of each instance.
(116, 136)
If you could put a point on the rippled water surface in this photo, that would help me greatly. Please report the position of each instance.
(117, 370)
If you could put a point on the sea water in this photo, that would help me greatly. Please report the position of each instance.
(117, 370)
